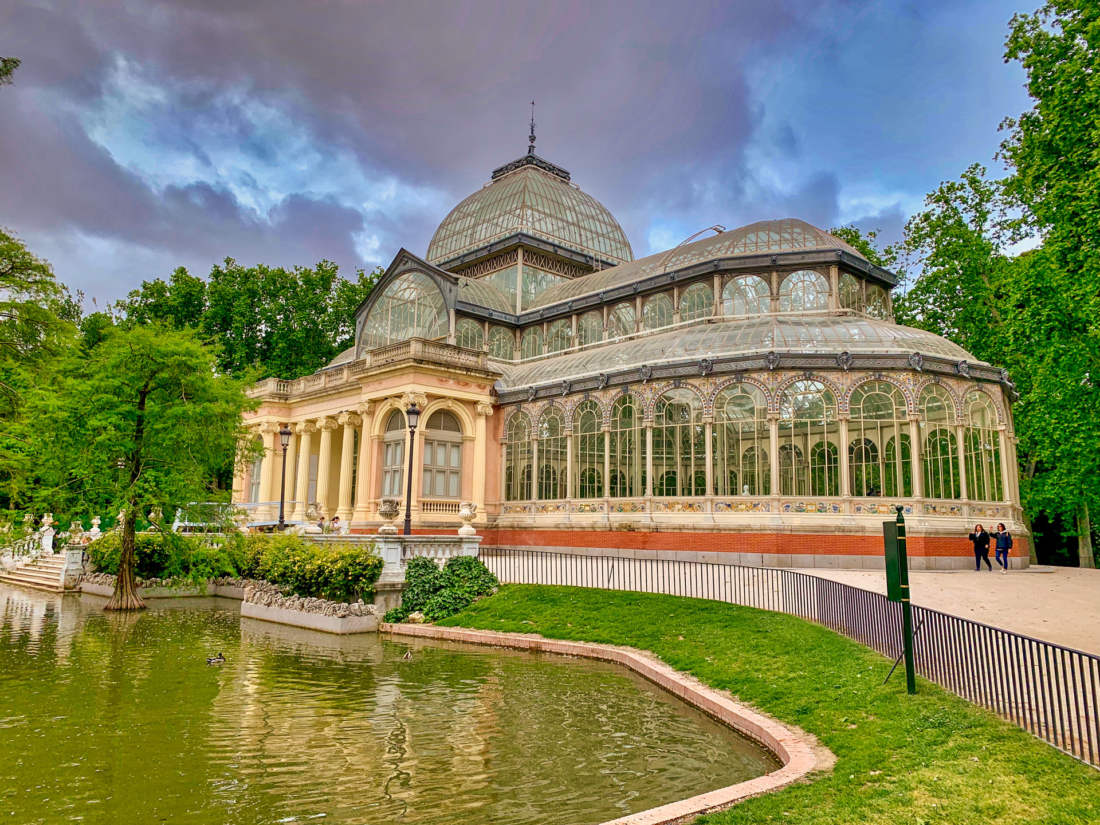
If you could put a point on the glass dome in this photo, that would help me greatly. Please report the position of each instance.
(539, 203)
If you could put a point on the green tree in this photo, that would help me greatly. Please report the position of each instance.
(8, 65)
(140, 420)
(867, 244)
(178, 302)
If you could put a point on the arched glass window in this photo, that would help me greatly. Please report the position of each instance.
(393, 456)
(808, 435)
(551, 453)
(746, 295)
(531, 342)
(517, 458)
(442, 456)
(851, 292)
(741, 441)
(587, 451)
(983, 449)
(621, 320)
(589, 328)
(939, 451)
(657, 312)
(469, 333)
(502, 343)
(410, 306)
(679, 445)
(627, 448)
(879, 449)
(255, 475)
(559, 335)
(803, 291)
(697, 301)
(877, 302)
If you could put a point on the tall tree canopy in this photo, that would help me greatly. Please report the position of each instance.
(8, 65)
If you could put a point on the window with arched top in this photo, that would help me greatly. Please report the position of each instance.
(627, 454)
(679, 445)
(502, 343)
(517, 458)
(741, 442)
(587, 451)
(657, 312)
(442, 461)
(878, 303)
(808, 432)
(697, 301)
(552, 456)
(851, 292)
(803, 291)
(621, 320)
(982, 449)
(410, 306)
(469, 333)
(559, 335)
(531, 342)
(879, 448)
(939, 451)
(746, 295)
(393, 456)
(589, 328)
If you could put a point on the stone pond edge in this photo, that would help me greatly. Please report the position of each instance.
(798, 751)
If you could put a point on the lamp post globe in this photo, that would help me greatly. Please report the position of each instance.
(284, 441)
(413, 413)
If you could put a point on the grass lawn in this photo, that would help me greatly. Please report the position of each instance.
(931, 758)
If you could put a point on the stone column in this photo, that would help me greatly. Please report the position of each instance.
(361, 493)
(845, 468)
(960, 440)
(708, 453)
(773, 453)
(483, 411)
(915, 459)
(324, 464)
(349, 421)
(269, 433)
(305, 432)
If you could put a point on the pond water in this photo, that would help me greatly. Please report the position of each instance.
(108, 718)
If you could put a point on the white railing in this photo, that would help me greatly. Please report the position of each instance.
(435, 505)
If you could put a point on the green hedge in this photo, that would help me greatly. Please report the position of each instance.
(441, 593)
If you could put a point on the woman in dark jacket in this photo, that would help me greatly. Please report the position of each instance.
(1004, 544)
(980, 539)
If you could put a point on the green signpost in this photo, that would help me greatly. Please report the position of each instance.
(897, 589)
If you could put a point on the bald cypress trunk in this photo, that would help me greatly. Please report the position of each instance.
(125, 596)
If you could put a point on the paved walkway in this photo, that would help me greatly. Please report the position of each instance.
(1056, 604)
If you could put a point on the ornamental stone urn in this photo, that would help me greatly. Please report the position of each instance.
(467, 511)
(95, 532)
(388, 510)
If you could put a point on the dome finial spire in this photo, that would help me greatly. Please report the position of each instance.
(531, 137)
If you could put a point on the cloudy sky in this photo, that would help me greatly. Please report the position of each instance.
(142, 135)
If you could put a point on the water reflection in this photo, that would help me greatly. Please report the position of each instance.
(112, 717)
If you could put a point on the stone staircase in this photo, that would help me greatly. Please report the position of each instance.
(42, 573)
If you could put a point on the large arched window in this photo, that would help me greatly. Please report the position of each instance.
(808, 435)
(469, 333)
(679, 445)
(851, 292)
(589, 328)
(502, 343)
(657, 312)
(410, 306)
(983, 449)
(627, 448)
(551, 454)
(803, 291)
(879, 449)
(393, 456)
(741, 439)
(442, 456)
(559, 335)
(697, 301)
(746, 295)
(878, 304)
(531, 342)
(938, 449)
(517, 458)
(621, 320)
(587, 451)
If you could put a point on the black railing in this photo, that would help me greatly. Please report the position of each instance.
(1047, 689)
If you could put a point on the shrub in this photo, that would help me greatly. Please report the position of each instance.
(441, 593)
(341, 573)
(155, 557)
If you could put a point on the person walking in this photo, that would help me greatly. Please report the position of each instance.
(1003, 540)
(980, 539)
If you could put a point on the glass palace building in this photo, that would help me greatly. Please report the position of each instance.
(745, 393)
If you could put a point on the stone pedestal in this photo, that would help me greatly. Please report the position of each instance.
(74, 566)
(387, 595)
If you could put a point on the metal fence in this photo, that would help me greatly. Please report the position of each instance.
(1049, 690)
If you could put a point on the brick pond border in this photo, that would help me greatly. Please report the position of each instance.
(799, 752)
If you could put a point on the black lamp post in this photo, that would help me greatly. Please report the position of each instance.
(284, 439)
(413, 412)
